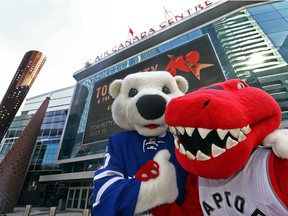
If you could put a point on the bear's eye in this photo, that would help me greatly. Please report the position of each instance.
(165, 90)
(132, 92)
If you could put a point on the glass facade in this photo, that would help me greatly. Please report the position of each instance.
(47, 145)
(251, 44)
(48, 141)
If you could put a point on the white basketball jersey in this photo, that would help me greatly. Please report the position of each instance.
(248, 193)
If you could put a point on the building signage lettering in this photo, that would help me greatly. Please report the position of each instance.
(162, 25)
(196, 61)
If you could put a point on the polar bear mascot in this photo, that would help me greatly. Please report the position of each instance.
(144, 151)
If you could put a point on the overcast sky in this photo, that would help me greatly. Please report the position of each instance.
(69, 32)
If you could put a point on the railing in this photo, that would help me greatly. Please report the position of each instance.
(53, 211)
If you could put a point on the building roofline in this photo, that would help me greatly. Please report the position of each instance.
(50, 92)
(194, 21)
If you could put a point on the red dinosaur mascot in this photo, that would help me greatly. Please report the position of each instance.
(218, 133)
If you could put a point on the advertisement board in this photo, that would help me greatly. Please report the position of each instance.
(195, 60)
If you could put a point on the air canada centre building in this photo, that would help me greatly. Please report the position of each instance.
(216, 41)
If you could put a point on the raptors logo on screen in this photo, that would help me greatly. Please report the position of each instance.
(187, 63)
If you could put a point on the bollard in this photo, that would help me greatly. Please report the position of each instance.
(52, 211)
(27, 210)
(86, 212)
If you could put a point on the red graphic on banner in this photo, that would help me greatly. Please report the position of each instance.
(187, 63)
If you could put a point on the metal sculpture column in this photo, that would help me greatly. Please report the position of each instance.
(14, 166)
(19, 87)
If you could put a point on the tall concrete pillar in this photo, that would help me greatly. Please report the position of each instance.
(14, 166)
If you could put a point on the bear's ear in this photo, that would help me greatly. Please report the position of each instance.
(115, 87)
(182, 83)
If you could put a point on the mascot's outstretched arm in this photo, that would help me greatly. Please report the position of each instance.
(278, 141)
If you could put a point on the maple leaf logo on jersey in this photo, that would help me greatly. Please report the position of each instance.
(187, 63)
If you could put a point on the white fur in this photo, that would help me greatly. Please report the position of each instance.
(115, 87)
(278, 141)
(160, 190)
(124, 110)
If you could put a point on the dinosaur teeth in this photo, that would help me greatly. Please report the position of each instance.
(230, 143)
(173, 130)
(235, 132)
(237, 136)
(180, 129)
(222, 133)
(200, 156)
(216, 151)
(241, 136)
(203, 132)
(176, 143)
(189, 130)
(182, 149)
(190, 155)
(246, 129)
(175, 137)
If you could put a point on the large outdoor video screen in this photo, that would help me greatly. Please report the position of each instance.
(196, 61)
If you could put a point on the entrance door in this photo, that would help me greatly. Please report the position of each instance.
(78, 198)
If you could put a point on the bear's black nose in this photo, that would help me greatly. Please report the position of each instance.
(151, 106)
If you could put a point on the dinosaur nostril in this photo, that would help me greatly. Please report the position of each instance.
(206, 103)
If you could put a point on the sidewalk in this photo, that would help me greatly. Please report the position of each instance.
(19, 211)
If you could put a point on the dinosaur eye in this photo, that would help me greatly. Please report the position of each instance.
(132, 92)
(241, 85)
(165, 90)
(215, 87)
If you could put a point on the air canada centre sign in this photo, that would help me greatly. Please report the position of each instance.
(196, 61)
(162, 25)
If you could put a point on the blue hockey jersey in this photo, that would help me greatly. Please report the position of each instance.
(115, 188)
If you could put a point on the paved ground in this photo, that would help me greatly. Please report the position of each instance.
(44, 212)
